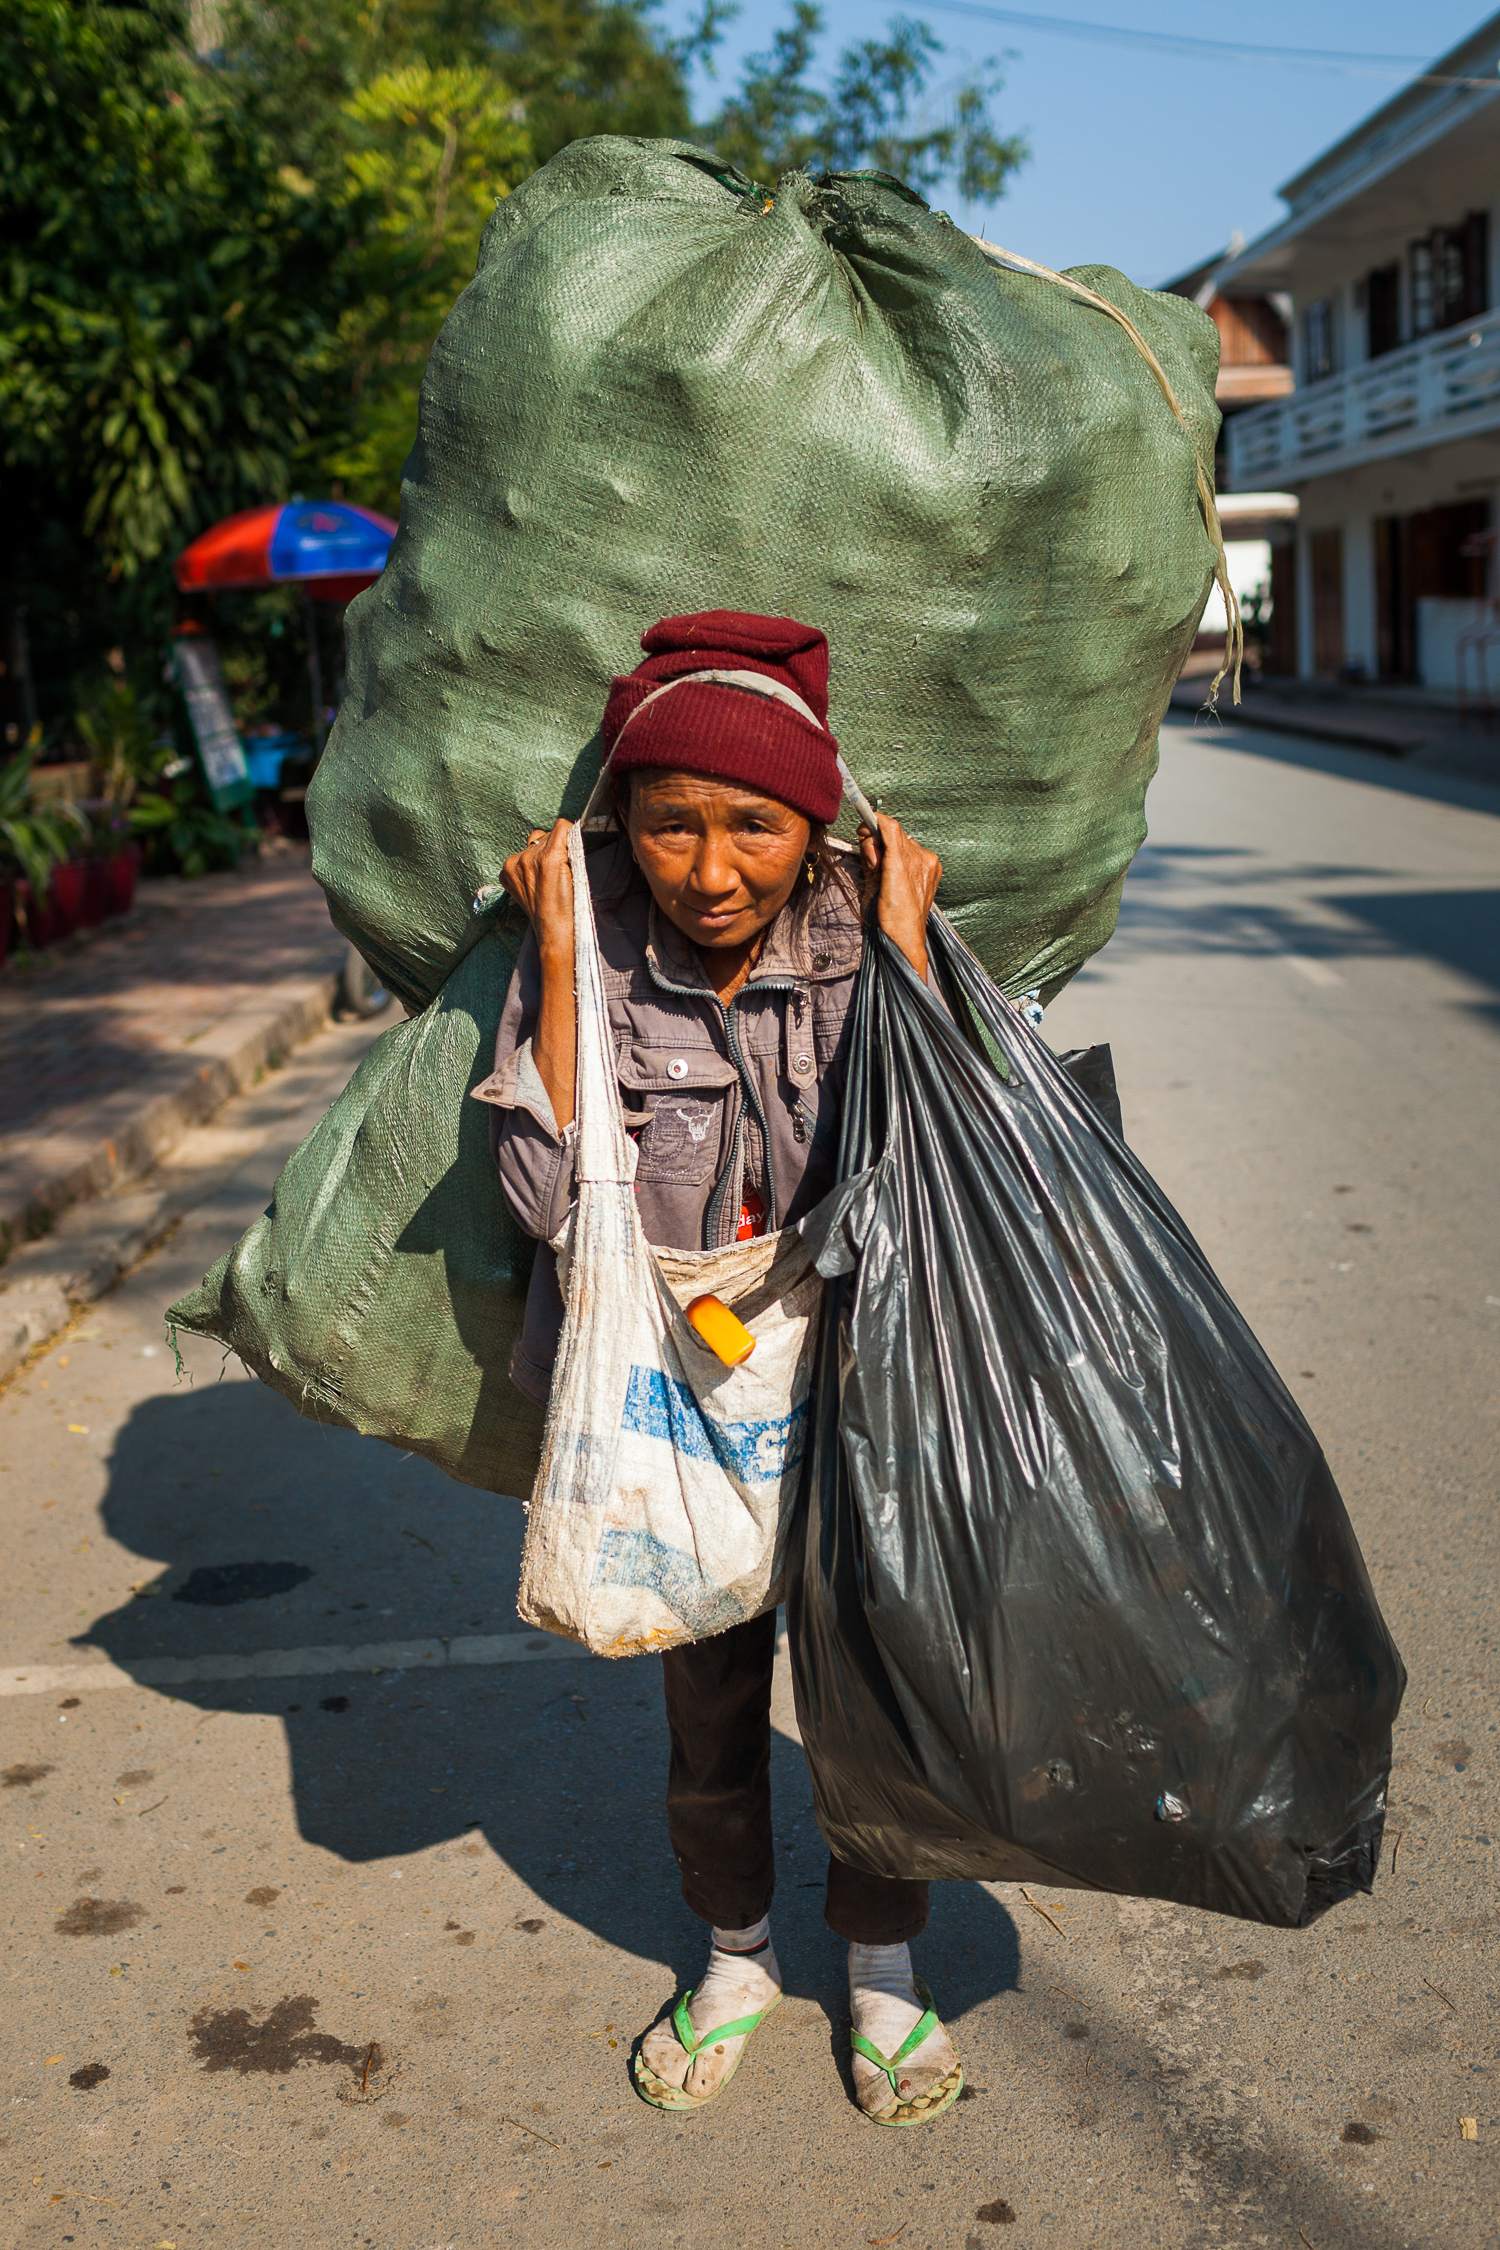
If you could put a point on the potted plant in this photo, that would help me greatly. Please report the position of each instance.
(128, 757)
(183, 834)
(36, 836)
(66, 898)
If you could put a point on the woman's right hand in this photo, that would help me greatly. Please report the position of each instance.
(540, 879)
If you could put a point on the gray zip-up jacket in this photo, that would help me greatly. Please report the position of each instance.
(719, 1100)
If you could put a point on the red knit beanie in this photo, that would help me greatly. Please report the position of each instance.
(773, 737)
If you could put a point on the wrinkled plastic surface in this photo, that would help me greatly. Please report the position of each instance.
(1074, 1597)
(667, 1480)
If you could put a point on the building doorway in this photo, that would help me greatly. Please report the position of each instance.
(1326, 554)
(1420, 557)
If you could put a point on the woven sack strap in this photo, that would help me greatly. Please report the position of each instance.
(1234, 636)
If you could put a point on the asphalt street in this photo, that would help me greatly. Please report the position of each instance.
(400, 2016)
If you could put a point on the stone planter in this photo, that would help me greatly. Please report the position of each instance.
(68, 889)
(122, 871)
(33, 923)
(95, 893)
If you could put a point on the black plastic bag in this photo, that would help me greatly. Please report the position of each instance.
(1073, 1594)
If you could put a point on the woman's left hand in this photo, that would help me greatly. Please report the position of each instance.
(909, 877)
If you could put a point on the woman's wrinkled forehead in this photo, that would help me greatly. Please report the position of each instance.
(664, 788)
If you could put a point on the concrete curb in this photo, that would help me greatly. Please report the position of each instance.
(1398, 735)
(42, 1285)
(130, 1131)
(1348, 734)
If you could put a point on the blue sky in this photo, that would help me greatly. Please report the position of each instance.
(1141, 159)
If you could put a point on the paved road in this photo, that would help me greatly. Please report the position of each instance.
(460, 1860)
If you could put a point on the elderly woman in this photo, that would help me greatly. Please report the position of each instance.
(730, 932)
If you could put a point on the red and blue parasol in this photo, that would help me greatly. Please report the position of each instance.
(330, 548)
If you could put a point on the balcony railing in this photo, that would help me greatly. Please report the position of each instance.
(1444, 386)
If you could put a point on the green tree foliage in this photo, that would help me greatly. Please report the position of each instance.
(221, 272)
(164, 309)
(162, 284)
(574, 66)
(429, 153)
(877, 114)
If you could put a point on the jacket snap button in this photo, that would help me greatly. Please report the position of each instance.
(822, 960)
(677, 1068)
(802, 1062)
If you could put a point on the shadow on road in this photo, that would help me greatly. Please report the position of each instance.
(1459, 928)
(1349, 764)
(1165, 908)
(561, 1766)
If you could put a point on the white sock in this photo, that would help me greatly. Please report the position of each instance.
(744, 1941)
(742, 1979)
(882, 1994)
(741, 1976)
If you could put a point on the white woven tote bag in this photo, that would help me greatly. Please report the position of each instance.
(660, 1508)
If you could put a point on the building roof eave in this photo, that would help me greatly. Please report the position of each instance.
(1474, 56)
(1369, 155)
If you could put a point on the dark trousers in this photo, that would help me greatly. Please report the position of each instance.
(718, 1695)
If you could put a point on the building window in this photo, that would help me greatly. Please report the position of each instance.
(1382, 310)
(1317, 341)
(1450, 275)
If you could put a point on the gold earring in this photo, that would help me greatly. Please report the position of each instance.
(811, 869)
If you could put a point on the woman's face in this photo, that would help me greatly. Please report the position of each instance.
(721, 859)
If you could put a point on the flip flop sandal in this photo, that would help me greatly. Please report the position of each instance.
(926, 2106)
(659, 2094)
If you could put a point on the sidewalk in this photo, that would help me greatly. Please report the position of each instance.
(111, 1052)
(1421, 729)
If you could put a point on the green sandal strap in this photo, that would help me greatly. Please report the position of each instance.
(691, 2045)
(920, 2030)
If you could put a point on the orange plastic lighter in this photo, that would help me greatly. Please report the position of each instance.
(725, 1334)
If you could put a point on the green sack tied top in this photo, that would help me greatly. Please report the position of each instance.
(662, 393)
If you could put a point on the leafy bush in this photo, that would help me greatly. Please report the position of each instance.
(122, 744)
(223, 271)
(36, 835)
(183, 835)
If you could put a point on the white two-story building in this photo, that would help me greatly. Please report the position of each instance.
(1390, 255)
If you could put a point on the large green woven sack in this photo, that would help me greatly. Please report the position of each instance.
(662, 392)
(665, 392)
(384, 1287)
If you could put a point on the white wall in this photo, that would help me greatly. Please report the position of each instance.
(1441, 663)
(1249, 563)
(1427, 477)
